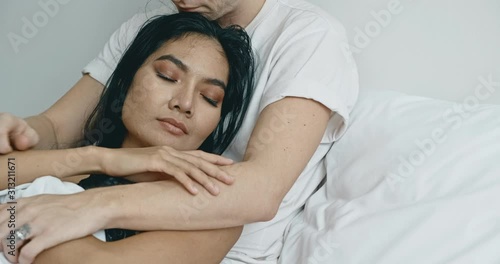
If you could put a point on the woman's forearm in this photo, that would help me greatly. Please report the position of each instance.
(25, 166)
(206, 246)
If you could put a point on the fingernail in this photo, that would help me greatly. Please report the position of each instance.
(5, 149)
(194, 189)
(216, 189)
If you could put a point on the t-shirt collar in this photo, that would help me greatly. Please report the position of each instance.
(268, 5)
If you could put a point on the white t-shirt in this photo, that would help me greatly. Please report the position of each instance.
(300, 51)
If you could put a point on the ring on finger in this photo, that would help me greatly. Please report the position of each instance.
(22, 233)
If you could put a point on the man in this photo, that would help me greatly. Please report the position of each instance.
(306, 85)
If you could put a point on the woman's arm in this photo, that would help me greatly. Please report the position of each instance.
(207, 246)
(138, 164)
(26, 166)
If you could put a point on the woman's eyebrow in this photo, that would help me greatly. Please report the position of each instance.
(185, 68)
(176, 61)
(216, 82)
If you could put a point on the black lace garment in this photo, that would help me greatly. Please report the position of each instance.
(101, 180)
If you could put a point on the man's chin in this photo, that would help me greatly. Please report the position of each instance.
(188, 10)
(207, 15)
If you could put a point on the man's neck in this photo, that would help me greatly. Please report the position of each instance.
(243, 14)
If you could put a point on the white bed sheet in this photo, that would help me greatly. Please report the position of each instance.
(44, 185)
(392, 196)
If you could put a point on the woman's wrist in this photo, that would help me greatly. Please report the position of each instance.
(79, 161)
(101, 158)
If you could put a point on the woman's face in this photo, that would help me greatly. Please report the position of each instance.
(176, 96)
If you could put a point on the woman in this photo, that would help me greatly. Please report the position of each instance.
(183, 84)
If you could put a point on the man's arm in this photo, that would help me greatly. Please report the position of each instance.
(278, 151)
(183, 247)
(62, 124)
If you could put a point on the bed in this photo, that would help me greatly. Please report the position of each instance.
(416, 177)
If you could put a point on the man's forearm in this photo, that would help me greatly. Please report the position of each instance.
(262, 180)
(62, 124)
(166, 205)
(45, 130)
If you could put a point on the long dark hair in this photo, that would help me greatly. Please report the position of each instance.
(105, 126)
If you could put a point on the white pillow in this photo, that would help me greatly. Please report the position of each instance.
(413, 180)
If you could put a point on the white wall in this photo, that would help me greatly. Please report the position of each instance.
(436, 48)
(35, 74)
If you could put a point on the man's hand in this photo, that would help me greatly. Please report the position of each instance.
(15, 134)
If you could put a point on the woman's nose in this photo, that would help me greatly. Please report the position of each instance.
(182, 101)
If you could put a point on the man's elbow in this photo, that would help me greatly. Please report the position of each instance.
(270, 214)
(264, 212)
(263, 205)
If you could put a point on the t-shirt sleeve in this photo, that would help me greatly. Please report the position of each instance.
(105, 63)
(315, 63)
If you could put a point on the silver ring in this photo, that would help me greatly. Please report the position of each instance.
(22, 233)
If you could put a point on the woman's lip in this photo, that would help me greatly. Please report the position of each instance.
(173, 126)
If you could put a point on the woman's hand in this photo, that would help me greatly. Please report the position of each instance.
(163, 161)
(16, 134)
(52, 220)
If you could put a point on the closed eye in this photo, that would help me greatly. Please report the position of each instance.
(210, 100)
(166, 78)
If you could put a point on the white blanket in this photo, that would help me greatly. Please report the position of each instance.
(44, 185)
(414, 180)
